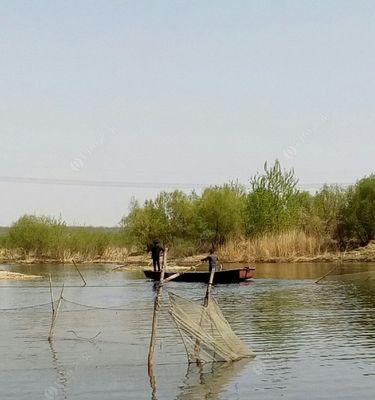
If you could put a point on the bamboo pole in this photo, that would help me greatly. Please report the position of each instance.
(209, 287)
(83, 279)
(51, 293)
(54, 316)
(205, 305)
(342, 257)
(151, 350)
(177, 274)
(119, 267)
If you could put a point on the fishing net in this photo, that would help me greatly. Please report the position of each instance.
(206, 333)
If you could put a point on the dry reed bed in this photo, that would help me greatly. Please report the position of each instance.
(294, 246)
(274, 247)
(110, 255)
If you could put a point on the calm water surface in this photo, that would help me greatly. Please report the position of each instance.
(312, 341)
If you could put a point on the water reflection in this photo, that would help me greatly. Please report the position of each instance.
(208, 381)
(152, 384)
(59, 388)
(292, 271)
(283, 324)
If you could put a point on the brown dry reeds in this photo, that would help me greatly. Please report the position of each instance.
(286, 246)
(110, 254)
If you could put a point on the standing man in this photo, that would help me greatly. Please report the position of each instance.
(212, 259)
(156, 249)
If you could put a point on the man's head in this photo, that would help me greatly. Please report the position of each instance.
(212, 250)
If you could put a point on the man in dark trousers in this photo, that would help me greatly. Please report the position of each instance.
(212, 259)
(156, 249)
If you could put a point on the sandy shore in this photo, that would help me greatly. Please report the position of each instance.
(7, 275)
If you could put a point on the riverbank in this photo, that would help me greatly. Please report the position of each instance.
(122, 256)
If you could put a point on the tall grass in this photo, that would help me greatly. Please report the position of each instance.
(45, 238)
(273, 247)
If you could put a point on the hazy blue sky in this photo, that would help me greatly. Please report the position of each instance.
(179, 91)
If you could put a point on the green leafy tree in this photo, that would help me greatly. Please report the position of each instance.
(358, 213)
(272, 203)
(220, 213)
(144, 224)
(167, 218)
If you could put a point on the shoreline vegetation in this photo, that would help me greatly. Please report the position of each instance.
(271, 220)
(122, 257)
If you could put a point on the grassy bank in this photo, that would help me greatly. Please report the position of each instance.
(45, 239)
(294, 246)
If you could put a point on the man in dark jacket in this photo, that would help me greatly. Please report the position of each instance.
(156, 249)
(212, 259)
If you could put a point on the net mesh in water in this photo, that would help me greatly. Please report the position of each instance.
(206, 333)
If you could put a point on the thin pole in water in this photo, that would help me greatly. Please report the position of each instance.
(51, 293)
(84, 282)
(342, 258)
(150, 361)
(330, 271)
(205, 305)
(54, 316)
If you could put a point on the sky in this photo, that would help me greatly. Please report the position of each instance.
(158, 95)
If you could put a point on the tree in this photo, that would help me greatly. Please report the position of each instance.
(358, 214)
(220, 213)
(272, 203)
(144, 224)
(167, 218)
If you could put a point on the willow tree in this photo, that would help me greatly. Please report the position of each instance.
(272, 203)
(167, 218)
(220, 213)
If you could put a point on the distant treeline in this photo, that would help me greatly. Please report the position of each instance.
(341, 218)
(335, 218)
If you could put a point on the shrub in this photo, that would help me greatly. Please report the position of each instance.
(50, 237)
(89, 242)
(41, 235)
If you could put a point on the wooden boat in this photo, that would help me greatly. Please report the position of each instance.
(235, 275)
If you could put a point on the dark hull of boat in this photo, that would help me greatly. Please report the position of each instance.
(225, 276)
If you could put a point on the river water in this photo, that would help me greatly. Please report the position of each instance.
(314, 341)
